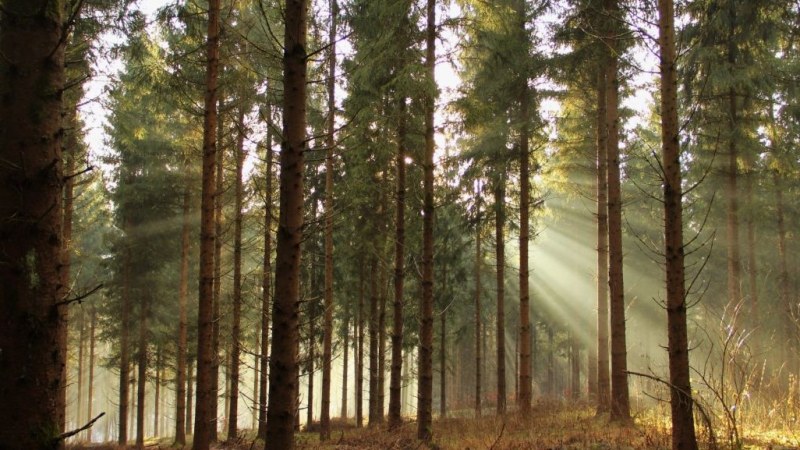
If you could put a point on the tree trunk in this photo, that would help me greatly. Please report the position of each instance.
(327, 344)
(90, 383)
(157, 396)
(783, 270)
(283, 362)
(183, 294)
(525, 386)
(266, 284)
(478, 326)
(235, 354)
(380, 406)
(312, 332)
(499, 202)
(399, 271)
(346, 360)
(81, 345)
(33, 317)
(443, 364)
(425, 365)
(142, 376)
(603, 380)
(620, 405)
(124, 350)
(359, 388)
(189, 392)
(373, 343)
(683, 433)
(218, 232)
(205, 416)
(575, 368)
(752, 272)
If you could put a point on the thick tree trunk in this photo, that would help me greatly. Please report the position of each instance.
(183, 294)
(142, 376)
(205, 415)
(620, 404)
(478, 310)
(32, 313)
(235, 354)
(399, 271)
(683, 433)
(425, 365)
(327, 344)
(285, 340)
(603, 380)
(266, 285)
(499, 242)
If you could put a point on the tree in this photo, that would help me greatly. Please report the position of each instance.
(325, 425)
(683, 436)
(425, 365)
(32, 302)
(206, 396)
(283, 362)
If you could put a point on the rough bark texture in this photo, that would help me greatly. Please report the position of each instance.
(399, 272)
(205, 417)
(327, 344)
(266, 285)
(603, 380)
(683, 433)
(499, 242)
(235, 354)
(425, 365)
(183, 294)
(620, 404)
(283, 362)
(32, 324)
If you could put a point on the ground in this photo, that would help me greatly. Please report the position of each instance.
(550, 426)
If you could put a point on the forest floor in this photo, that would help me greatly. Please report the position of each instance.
(550, 426)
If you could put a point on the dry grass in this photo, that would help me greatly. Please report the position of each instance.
(551, 425)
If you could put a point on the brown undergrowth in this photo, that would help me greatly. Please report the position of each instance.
(550, 425)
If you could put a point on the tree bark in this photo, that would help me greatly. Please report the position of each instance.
(205, 416)
(443, 364)
(681, 404)
(81, 344)
(218, 232)
(327, 344)
(189, 392)
(499, 202)
(425, 365)
(183, 294)
(32, 315)
(157, 394)
(620, 404)
(399, 271)
(235, 354)
(285, 340)
(345, 360)
(603, 380)
(266, 284)
(124, 350)
(525, 386)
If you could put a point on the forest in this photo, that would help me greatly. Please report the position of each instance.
(399, 224)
